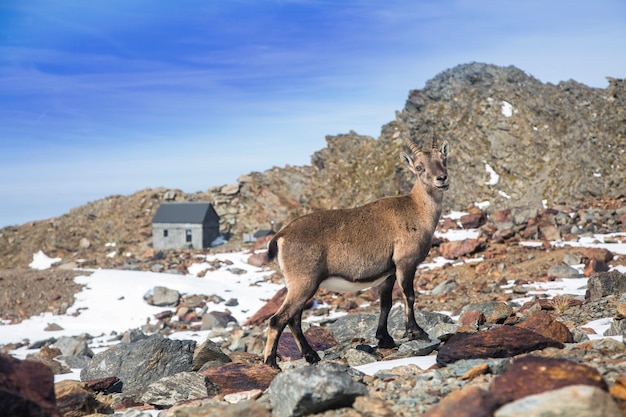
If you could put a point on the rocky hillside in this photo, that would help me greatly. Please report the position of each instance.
(514, 141)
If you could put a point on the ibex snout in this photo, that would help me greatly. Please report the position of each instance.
(442, 182)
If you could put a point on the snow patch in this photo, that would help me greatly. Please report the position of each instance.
(507, 109)
(41, 261)
(494, 178)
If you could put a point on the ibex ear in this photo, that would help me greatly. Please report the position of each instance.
(444, 149)
(408, 161)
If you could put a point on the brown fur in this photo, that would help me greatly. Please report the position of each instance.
(383, 240)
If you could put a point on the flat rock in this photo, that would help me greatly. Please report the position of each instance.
(318, 337)
(472, 220)
(546, 374)
(237, 377)
(573, 400)
(563, 271)
(457, 248)
(498, 342)
(466, 402)
(213, 408)
(599, 254)
(182, 386)
(544, 324)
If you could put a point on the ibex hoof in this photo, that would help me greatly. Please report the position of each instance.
(386, 343)
(272, 362)
(417, 335)
(312, 357)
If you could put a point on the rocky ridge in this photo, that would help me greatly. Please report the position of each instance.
(514, 142)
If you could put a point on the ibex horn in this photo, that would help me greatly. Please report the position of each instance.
(410, 144)
(433, 143)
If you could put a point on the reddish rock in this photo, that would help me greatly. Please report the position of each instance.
(73, 400)
(101, 384)
(472, 220)
(318, 337)
(237, 377)
(546, 374)
(49, 352)
(26, 388)
(471, 320)
(544, 324)
(456, 249)
(498, 342)
(551, 233)
(447, 223)
(594, 266)
(619, 389)
(599, 254)
(258, 259)
(501, 216)
(262, 241)
(466, 402)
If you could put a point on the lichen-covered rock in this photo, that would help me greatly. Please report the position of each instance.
(313, 389)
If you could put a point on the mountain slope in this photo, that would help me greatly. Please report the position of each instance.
(514, 141)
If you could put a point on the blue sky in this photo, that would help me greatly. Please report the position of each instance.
(110, 97)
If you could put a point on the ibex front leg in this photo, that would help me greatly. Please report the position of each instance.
(382, 332)
(413, 330)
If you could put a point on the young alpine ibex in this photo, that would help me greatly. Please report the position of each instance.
(352, 249)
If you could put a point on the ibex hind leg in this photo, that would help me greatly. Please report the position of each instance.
(294, 302)
(295, 324)
(382, 333)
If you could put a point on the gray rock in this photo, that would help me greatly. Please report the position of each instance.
(418, 347)
(132, 412)
(164, 297)
(73, 346)
(213, 320)
(141, 363)
(357, 357)
(443, 331)
(564, 271)
(313, 389)
(347, 327)
(572, 259)
(573, 400)
(605, 283)
(363, 325)
(496, 366)
(182, 386)
(445, 287)
(617, 328)
(133, 335)
(494, 311)
(208, 351)
(74, 362)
